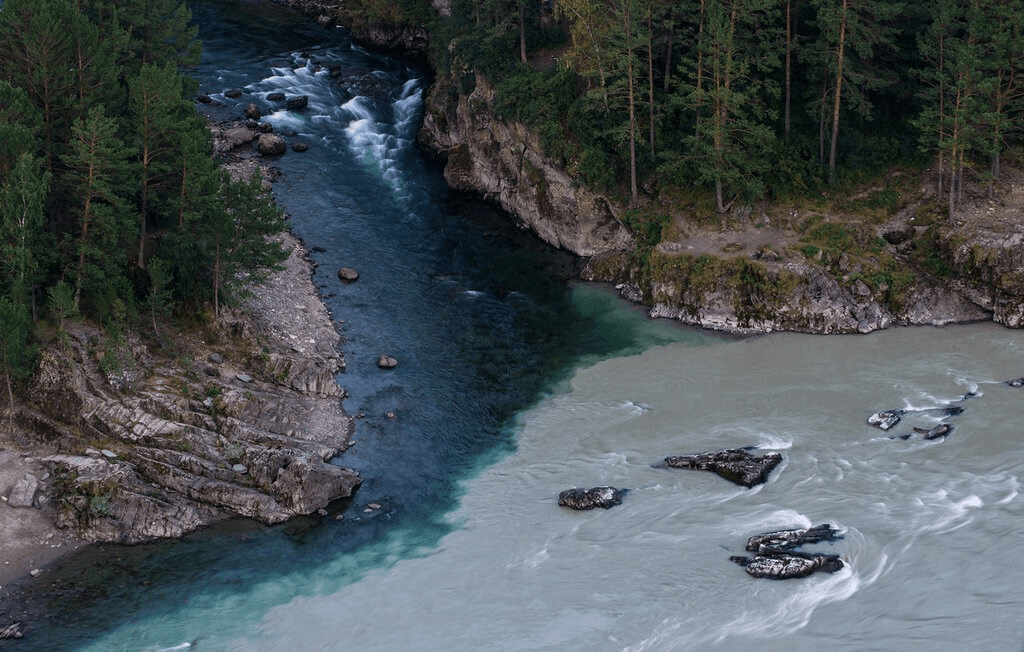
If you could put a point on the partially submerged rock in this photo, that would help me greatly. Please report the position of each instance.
(271, 145)
(785, 566)
(590, 498)
(777, 556)
(885, 420)
(735, 464)
(935, 432)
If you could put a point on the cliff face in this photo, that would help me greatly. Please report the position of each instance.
(239, 420)
(503, 161)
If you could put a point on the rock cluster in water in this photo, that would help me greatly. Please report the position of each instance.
(735, 464)
(777, 556)
(605, 497)
(887, 419)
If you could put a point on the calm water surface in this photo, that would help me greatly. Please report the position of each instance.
(514, 384)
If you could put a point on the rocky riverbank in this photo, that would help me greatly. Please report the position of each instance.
(887, 256)
(139, 436)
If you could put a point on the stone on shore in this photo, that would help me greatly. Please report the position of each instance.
(23, 494)
(237, 136)
(11, 631)
(735, 464)
(582, 499)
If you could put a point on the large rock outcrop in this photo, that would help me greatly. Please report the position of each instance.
(504, 162)
(158, 447)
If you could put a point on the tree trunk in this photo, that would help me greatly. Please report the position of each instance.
(668, 48)
(632, 107)
(837, 100)
(522, 33)
(216, 281)
(84, 238)
(650, 78)
(789, 65)
(700, 69)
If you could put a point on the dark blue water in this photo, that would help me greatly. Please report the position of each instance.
(483, 318)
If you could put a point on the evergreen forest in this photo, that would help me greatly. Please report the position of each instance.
(745, 100)
(112, 207)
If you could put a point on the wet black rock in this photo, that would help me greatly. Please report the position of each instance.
(276, 96)
(590, 498)
(736, 465)
(297, 103)
(777, 556)
(1016, 382)
(785, 540)
(233, 93)
(935, 432)
(785, 566)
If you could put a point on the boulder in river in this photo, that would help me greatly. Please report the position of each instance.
(785, 566)
(297, 103)
(252, 112)
(348, 274)
(271, 145)
(276, 96)
(605, 497)
(386, 361)
(1016, 382)
(735, 464)
(777, 556)
(885, 420)
(935, 432)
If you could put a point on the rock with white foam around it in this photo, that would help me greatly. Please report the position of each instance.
(778, 557)
(582, 499)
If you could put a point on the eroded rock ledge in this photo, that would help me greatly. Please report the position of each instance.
(241, 420)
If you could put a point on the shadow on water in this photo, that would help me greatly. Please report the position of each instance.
(485, 317)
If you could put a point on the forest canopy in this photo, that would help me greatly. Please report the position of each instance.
(112, 206)
(749, 99)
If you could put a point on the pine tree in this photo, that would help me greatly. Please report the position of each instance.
(729, 94)
(36, 54)
(236, 237)
(20, 126)
(160, 112)
(97, 162)
(850, 32)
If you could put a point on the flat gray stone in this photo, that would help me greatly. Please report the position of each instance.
(23, 494)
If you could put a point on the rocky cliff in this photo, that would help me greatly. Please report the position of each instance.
(241, 419)
(503, 161)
